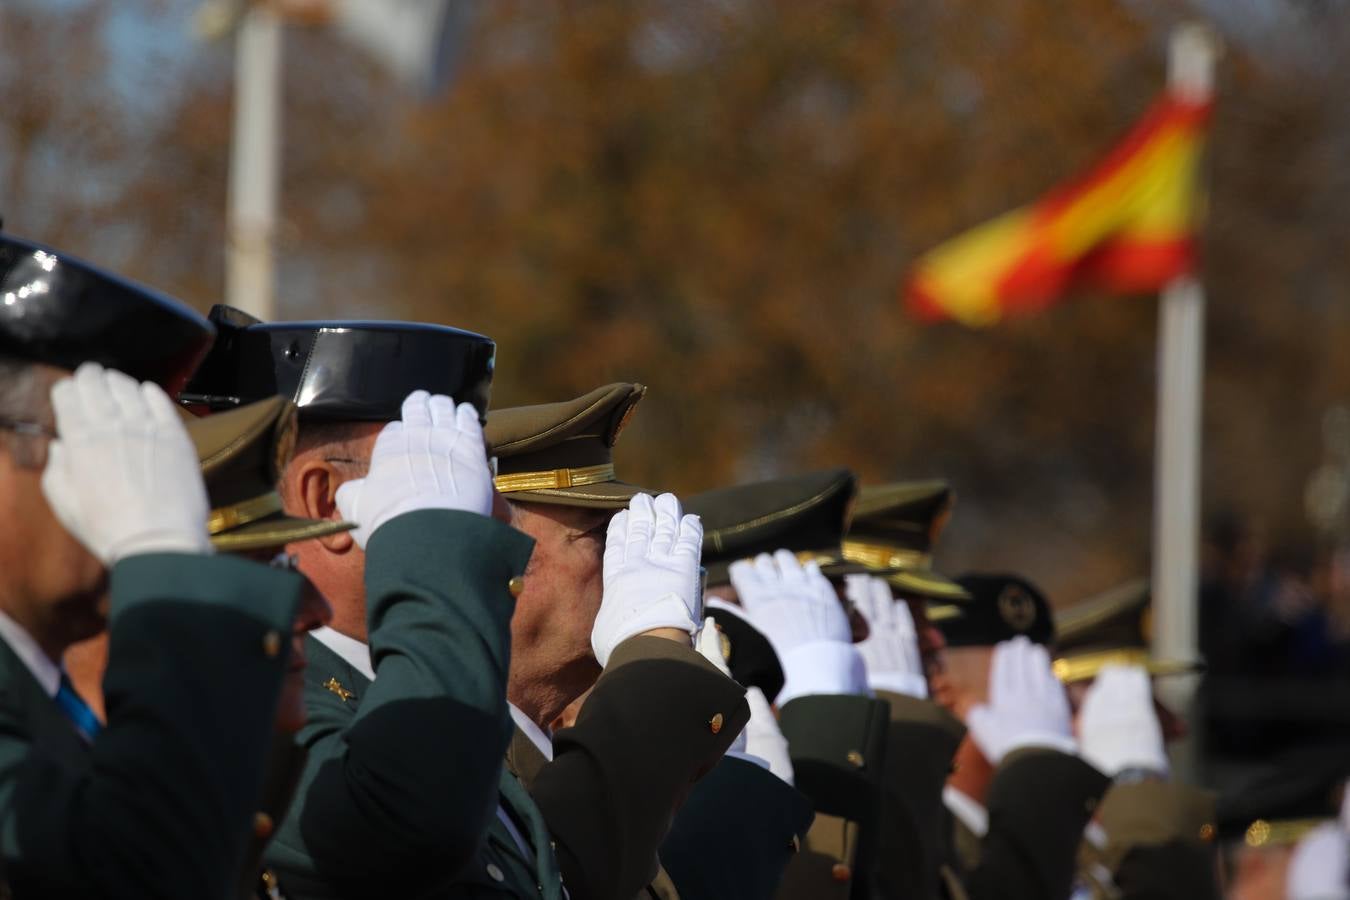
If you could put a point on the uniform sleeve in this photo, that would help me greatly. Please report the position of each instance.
(397, 798)
(838, 747)
(1160, 841)
(658, 719)
(197, 651)
(1039, 803)
(735, 834)
(921, 743)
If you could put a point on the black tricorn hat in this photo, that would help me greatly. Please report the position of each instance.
(1001, 608)
(62, 311)
(353, 371)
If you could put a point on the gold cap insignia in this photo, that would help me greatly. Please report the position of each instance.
(1017, 608)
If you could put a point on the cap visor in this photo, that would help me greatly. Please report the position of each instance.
(929, 585)
(604, 495)
(275, 532)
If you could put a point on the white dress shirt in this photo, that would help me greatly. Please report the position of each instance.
(47, 673)
(969, 811)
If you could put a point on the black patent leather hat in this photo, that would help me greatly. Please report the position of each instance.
(63, 311)
(340, 370)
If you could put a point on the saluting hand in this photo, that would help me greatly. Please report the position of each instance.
(1118, 726)
(891, 650)
(796, 608)
(651, 573)
(432, 458)
(1027, 704)
(122, 476)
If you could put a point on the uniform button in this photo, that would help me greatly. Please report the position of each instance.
(262, 825)
(516, 585)
(1206, 832)
(272, 643)
(855, 759)
(495, 873)
(841, 872)
(715, 723)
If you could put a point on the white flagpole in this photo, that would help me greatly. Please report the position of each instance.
(255, 149)
(1181, 358)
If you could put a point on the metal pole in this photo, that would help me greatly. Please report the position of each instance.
(254, 162)
(1181, 361)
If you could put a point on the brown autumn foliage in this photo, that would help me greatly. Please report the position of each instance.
(720, 199)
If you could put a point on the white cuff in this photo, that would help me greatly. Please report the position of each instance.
(822, 667)
(910, 684)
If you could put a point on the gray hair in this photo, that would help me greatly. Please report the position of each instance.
(23, 398)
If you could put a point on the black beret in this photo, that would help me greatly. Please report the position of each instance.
(1001, 608)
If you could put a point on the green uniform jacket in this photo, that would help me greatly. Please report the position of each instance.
(657, 720)
(1159, 844)
(735, 834)
(402, 779)
(921, 742)
(838, 749)
(162, 803)
(1039, 803)
(285, 763)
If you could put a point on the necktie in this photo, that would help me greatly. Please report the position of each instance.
(79, 713)
(546, 864)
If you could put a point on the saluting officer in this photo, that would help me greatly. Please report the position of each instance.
(1154, 835)
(772, 549)
(406, 689)
(596, 614)
(1020, 795)
(894, 531)
(107, 526)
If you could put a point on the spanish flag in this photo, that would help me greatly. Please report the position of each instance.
(1127, 227)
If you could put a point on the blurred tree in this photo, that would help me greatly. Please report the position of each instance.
(720, 199)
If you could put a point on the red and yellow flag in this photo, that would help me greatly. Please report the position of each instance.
(1127, 227)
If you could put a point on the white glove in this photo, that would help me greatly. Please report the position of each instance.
(433, 459)
(1027, 704)
(796, 608)
(651, 573)
(891, 650)
(1118, 727)
(1318, 868)
(765, 743)
(123, 476)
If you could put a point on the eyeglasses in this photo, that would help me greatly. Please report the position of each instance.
(29, 453)
(28, 429)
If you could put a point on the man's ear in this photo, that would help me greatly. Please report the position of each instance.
(314, 485)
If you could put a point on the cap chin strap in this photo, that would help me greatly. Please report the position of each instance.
(554, 479)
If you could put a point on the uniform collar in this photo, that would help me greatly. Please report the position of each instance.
(47, 673)
(542, 742)
(353, 652)
(969, 811)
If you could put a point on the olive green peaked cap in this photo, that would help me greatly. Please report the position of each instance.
(242, 453)
(563, 453)
(895, 527)
(1113, 627)
(807, 514)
